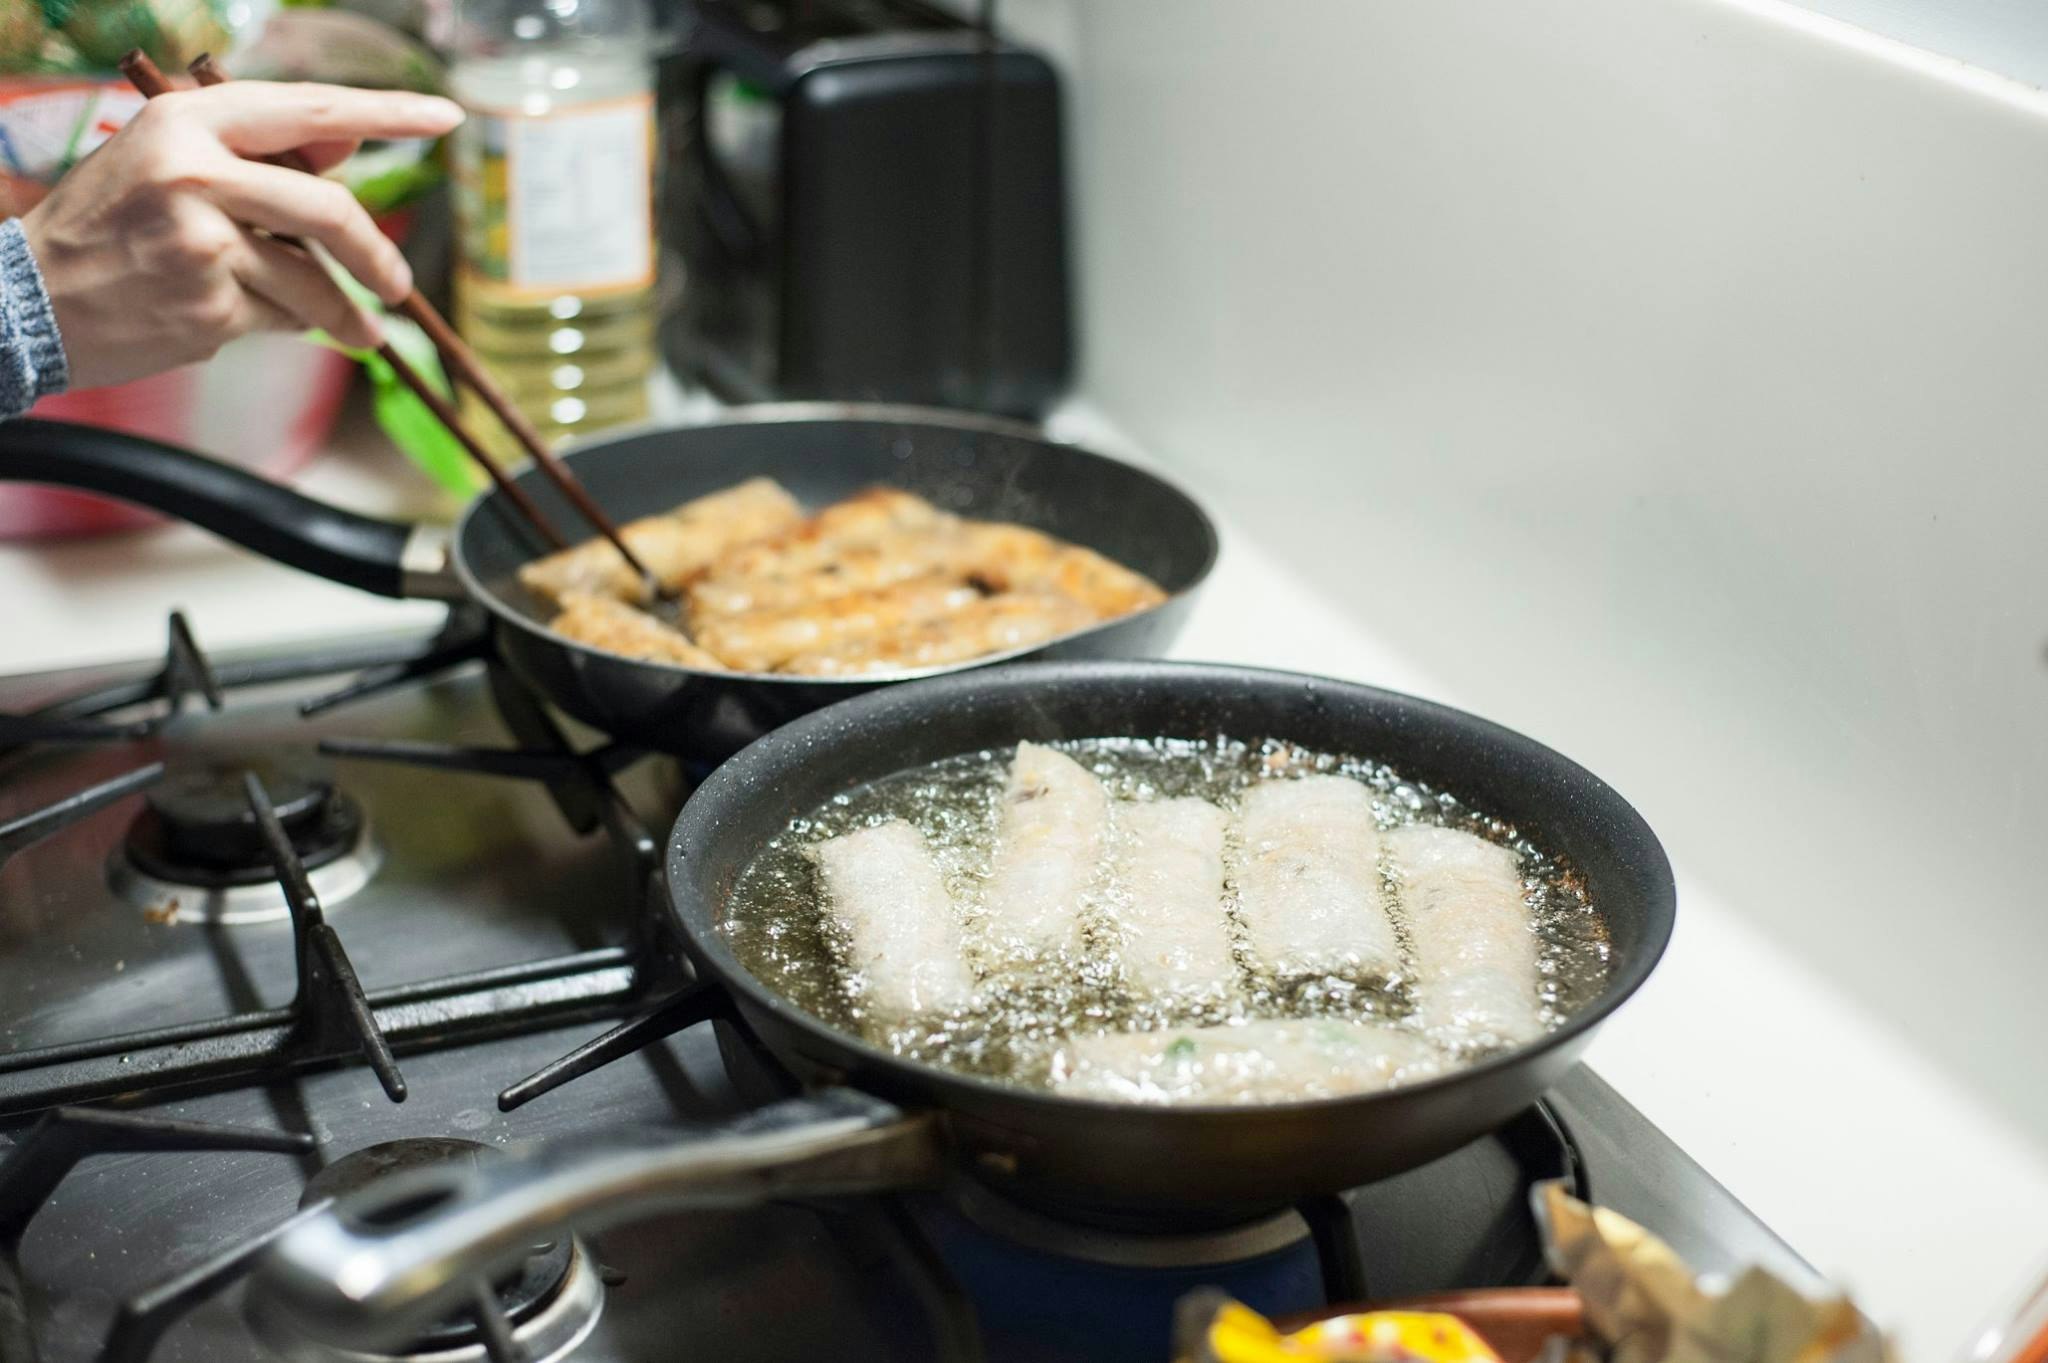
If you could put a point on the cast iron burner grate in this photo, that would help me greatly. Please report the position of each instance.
(950, 1264)
(186, 671)
(192, 834)
(549, 1300)
(986, 1291)
(38, 1162)
(195, 829)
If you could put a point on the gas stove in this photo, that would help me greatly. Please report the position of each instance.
(276, 925)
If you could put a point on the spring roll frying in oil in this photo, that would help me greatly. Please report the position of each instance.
(1271, 1061)
(1049, 845)
(1308, 879)
(1173, 937)
(902, 936)
(1475, 949)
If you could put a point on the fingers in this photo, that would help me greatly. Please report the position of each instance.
(297, 285)
(260, 314)
(260, 118)
(325, 156)
(295, 204)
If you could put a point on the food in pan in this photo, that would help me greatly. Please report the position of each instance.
(1475, 956)
(1171, 921)
(989, 624)
(1170, 939)
(1049, 839)
(1308, 878)
(1013, 558)
(882, 581)
(763, 640)
(869, 540)
(610, 624)
(902, 937)
(675, 546)
(1266, 1061)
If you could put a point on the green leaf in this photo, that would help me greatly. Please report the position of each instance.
(410, 423)
(417, 431)
(396, 187)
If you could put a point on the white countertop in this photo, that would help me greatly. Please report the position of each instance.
(1897, 1181)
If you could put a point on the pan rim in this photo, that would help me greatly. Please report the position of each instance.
(787, 413)
(730, 973)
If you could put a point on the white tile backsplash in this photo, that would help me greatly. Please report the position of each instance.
(1667, 377)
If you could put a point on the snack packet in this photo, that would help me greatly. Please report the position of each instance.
(1641, 1303)
(1215, 1329)
(1646, 1305)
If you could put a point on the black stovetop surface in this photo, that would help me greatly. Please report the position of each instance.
(482, 873)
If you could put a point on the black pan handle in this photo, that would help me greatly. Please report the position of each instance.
(382, 1264)
(358, 551)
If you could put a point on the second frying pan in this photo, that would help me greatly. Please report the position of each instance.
(979, 467)
(400, 1254)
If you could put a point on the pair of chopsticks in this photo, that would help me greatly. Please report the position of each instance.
(460, 360)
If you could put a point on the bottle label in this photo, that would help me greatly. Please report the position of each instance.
(561, 202)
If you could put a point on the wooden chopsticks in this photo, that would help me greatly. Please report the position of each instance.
(457, 356)
(466, 368)
(150, 81)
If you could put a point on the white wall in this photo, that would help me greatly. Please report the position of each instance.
(1667, 379)
(2006, 36)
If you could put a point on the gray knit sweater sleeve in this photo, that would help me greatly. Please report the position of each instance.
(31, 352)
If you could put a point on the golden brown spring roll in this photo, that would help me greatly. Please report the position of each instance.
(993, 624)
(761, 641)
(868, 541)
(675, 545)
(610, 624)
(1012, 558)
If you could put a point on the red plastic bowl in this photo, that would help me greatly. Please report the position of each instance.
(265, 402)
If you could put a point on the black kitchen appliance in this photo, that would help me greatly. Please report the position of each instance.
(869, 203)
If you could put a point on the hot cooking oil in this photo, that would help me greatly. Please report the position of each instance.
(777, 923)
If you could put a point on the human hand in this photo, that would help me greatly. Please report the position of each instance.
(153, 249)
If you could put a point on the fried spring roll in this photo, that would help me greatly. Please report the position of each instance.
(1308, 879)
(674, 545)
(1049, 844)
(871, 540)
(612, 625)
(903, 937)
(761, 641)
(1018, 558)
(1169, 898)
(992, 624)
(1475, 946)
(1253, 1062)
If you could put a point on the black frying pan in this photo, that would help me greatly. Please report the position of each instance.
(400, 1254)
(985, 468)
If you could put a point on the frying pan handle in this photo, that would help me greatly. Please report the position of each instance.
(358, 551)
(380, 1265)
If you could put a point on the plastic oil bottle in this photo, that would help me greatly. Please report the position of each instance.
(554, 178)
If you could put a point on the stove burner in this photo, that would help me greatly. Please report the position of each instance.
(360, 1168)
(195, 851)
(1022, 1225)
(198, 829)
(550, 1301)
